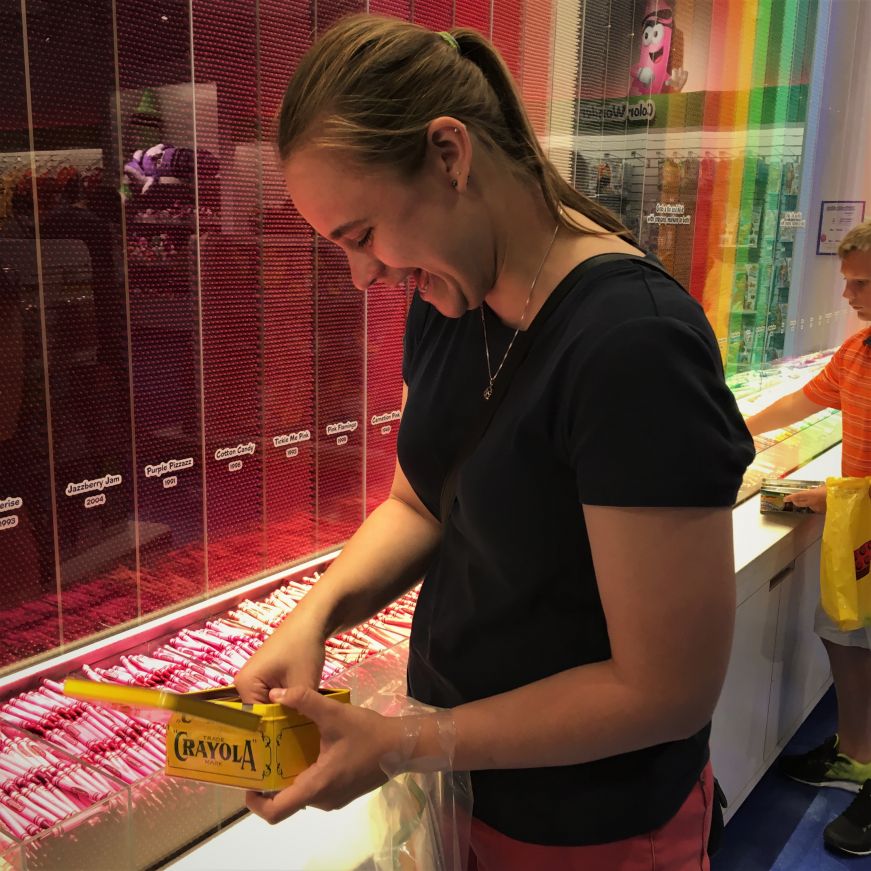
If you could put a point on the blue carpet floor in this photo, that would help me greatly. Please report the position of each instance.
(780, 825)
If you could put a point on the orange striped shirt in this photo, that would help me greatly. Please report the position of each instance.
(845, 383)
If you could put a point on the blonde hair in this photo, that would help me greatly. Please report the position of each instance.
(857, 239)
(370, 86)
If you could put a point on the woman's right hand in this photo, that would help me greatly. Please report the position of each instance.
(292, 657)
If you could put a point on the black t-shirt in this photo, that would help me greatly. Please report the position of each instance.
(621, 401)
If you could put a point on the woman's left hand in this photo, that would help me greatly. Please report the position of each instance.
(354, 741)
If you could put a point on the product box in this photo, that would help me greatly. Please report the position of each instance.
(774, 490)
(212, 736)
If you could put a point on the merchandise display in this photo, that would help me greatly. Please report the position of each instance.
(41, 787)
(122, 750)
(702, 156)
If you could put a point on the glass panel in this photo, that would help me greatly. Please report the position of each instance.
(385, 311)
(29, 617)
(340, 391)
(340, 337)
(386, 308)
(79, 228)
(228, 176)
(288, 308)
(155, 104)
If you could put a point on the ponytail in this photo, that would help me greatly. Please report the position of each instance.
(523, 144)
(371, 85)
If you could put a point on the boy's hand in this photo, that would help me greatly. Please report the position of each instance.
(815, 499)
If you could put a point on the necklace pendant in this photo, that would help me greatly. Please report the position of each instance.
(488, 391)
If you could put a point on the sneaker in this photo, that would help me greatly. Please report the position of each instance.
(824, 766)
(851, 831)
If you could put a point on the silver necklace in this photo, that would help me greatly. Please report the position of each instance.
(491, 375)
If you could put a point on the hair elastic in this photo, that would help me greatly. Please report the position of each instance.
(450, 40)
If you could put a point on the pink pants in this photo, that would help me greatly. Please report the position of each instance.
(680, 845)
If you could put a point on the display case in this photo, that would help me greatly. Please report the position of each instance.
(85, 786)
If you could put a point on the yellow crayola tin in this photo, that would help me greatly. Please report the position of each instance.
(212, 736)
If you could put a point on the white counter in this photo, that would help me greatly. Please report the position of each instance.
(310, 840)
(764, 544)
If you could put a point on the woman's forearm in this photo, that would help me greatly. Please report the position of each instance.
(575, 716)
(384, 558)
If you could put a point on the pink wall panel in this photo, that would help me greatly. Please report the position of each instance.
(395, 8)
(386, 308)
(29, 615)
(289, 431)
(225, 69)
(473, 13)
(328, 12)
(85, 314)
(507, 38)
(536, 62)
(434, 14)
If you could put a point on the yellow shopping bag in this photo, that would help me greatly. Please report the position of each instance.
(845, 566)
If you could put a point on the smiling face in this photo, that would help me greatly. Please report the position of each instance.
(391, 229)
(655, 41)
(856, 269)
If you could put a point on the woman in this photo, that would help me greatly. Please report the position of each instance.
(577, 608)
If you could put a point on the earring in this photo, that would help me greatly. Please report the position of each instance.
(454, 183)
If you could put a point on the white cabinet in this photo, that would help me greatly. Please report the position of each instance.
(738, 731)
(777, 672)
(801, 668)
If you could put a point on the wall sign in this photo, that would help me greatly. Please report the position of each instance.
(836, 218)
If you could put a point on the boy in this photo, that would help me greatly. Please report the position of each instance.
(844, 760)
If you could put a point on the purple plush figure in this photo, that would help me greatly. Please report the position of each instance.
(166, 164)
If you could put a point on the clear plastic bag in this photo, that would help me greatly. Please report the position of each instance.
(425, 821)
(424, 817)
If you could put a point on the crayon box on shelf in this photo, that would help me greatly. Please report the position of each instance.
(212, 736)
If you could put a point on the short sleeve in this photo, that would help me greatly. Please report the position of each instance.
(825, 387)
(414, 325)
(652, 422)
